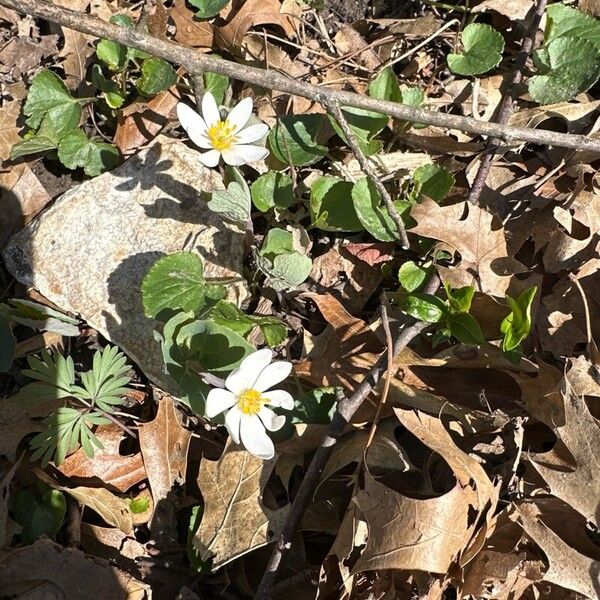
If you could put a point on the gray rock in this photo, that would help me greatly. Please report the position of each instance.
(89, 252)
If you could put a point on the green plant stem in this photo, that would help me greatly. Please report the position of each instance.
(116, 421)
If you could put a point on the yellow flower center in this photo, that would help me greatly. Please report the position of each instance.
(221, 135)
(250, 402)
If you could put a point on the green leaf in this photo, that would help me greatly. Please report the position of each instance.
(46, 92)
(412, 276)
(112, 54)
(109, 88)
(573, 66)
(365, 124)
(373, 214)
(207, 9)
(229, 315)
(139, 505)
(425, 307)
(32, 145)
(77, 150)
(272, 190)
(432, 181)
(517, 324)
(465, 328)
(213, 347)
(293, 139)
(413, 96)
(289, 270)
(39, 316)
(385, 86)
(565, 21)
(277, 241)
(331, 206)
(39, 511)
(216, 84)
(8, 345)
(174, 282)
(483, 47)
(233, 203)
(460, 299)
(157, 75)
(315, 406)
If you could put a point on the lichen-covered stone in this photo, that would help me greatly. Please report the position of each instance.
(89, 252)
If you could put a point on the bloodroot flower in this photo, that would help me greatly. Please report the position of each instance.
(246, 399)
(229, 137)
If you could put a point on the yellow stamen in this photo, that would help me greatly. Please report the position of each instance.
(221, 136)
(250, 402)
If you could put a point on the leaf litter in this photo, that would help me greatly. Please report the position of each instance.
(470, 470)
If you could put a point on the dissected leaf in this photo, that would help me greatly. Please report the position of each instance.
(483, 47)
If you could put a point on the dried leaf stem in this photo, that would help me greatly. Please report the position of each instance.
(333, 107)
(196, 62)
(343, 414)
(506, 106)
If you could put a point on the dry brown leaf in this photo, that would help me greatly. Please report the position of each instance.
(9, 130)
(7, 475)
(114, 510)
(139, 124)
(348, 40)
(344, 276)
(389, 163)
(190, 31)
(567, 567)
(515, 10)
(479, 239)
(113, 469)
(72, 575)
(164, 444)
(110, 543)
(23, 197)
(333, 360)
(235, 520)
(250, 13)
(580, 434)
(76, 51)
(424, 534)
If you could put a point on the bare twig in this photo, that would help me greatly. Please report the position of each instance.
(344, 412)
(334, 108)
(506, 106)
(195, 62)
(388, 376)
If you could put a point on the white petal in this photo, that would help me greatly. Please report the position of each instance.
(270, 420)
(255, 438)
(279, 398)
(232, 422)
(193, 124)
(252, 133)
(241, 154)
(217, 401)
(210, 158)
(210, 110)
(240, 114)
(272, 375)
(245, 375)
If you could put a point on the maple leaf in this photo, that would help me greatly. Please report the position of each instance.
(477, 236)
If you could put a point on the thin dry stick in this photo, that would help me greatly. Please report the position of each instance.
(196, 63)
(506, 106)
(388, 376)
(334, 108)
(586, 307)
(345, 410)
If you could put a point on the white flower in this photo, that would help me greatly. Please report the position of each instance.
(246, 398)
(229, 138)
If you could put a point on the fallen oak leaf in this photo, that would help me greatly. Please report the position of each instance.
(164, 444)
(567, 567)
(9, 130)
(114, 510)
(113, 469)
(72, 574)
(479, 238)
(235, 520)
(248, 14)
(580, 434)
